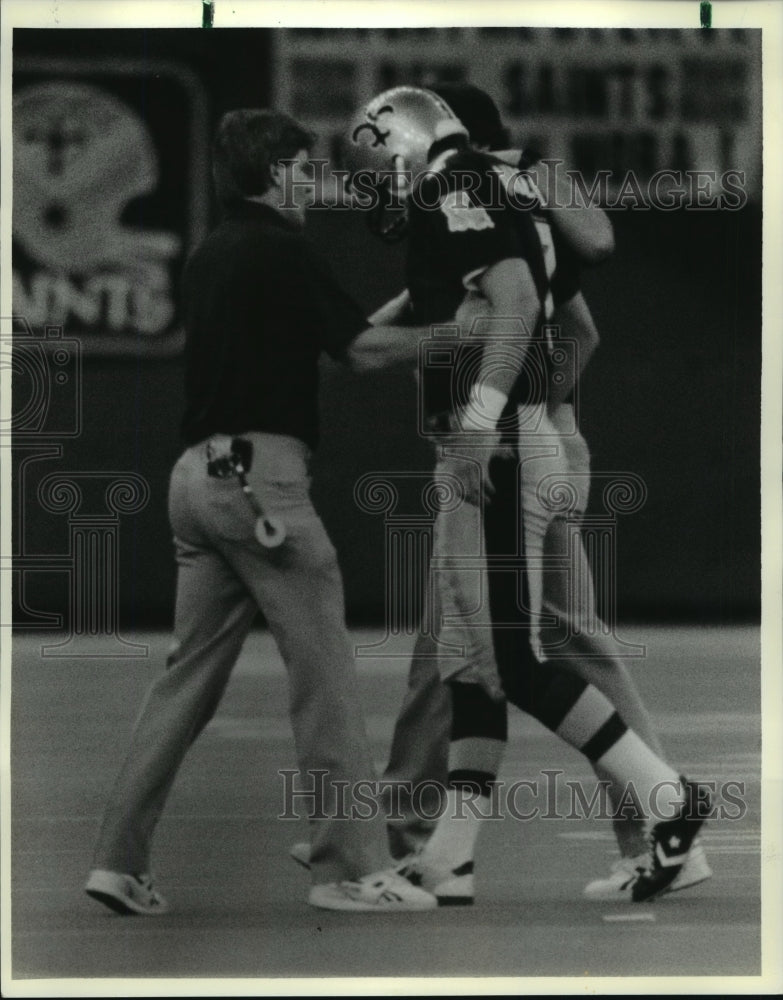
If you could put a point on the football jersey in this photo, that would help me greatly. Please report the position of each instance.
(463, 218)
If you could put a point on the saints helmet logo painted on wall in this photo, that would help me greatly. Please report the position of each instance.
(81, 156)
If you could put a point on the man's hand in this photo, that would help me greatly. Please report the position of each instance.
(470, 465)
(380, 347)
(586, 228)
(468, 453)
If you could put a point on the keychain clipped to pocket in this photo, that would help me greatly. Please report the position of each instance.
(270, 531)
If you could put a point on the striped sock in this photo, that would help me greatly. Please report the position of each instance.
(593, 727)
(478, 740)
(453, 840)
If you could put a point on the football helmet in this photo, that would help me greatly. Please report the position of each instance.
(81, 155)
(391, 140)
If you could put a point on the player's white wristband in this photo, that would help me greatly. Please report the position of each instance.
(484, 407)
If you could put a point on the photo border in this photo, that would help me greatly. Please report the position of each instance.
(409, 13)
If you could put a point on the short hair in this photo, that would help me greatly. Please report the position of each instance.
(477, 112)
(248, 142)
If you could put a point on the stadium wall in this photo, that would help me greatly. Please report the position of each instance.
(672, 395)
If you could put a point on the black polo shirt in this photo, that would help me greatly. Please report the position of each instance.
(260, 305)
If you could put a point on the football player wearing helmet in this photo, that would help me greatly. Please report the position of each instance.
(491, 401)
(419, 751)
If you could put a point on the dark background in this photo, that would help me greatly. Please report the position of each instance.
(672, 395)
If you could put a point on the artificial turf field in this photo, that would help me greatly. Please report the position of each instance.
(238, 905)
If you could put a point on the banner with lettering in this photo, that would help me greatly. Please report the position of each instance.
(623, 102)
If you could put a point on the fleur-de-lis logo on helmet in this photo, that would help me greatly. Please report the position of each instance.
(402, 123)
(379, 137)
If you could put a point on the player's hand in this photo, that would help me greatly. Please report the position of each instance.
(469, 453)
(471, 468)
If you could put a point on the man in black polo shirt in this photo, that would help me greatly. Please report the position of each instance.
(260, 307)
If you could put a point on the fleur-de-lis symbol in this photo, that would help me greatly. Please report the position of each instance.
(379, 137)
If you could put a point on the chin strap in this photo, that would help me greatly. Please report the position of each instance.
(390, 226)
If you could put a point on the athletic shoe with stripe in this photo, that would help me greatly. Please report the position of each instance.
(129, 895)
(670, 843)
(301, 854)
(623, 874)
(381, 892)
(450, 886)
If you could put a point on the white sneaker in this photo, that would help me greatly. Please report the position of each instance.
(625, 871)
(450, 886)
(695, 870)
(126, 894)
(381, 892)
(300, 853)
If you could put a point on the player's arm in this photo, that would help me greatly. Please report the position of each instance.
(509, 305)
(576, 323)
(586, 228)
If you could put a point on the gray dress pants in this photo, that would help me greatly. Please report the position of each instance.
(224, 577)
